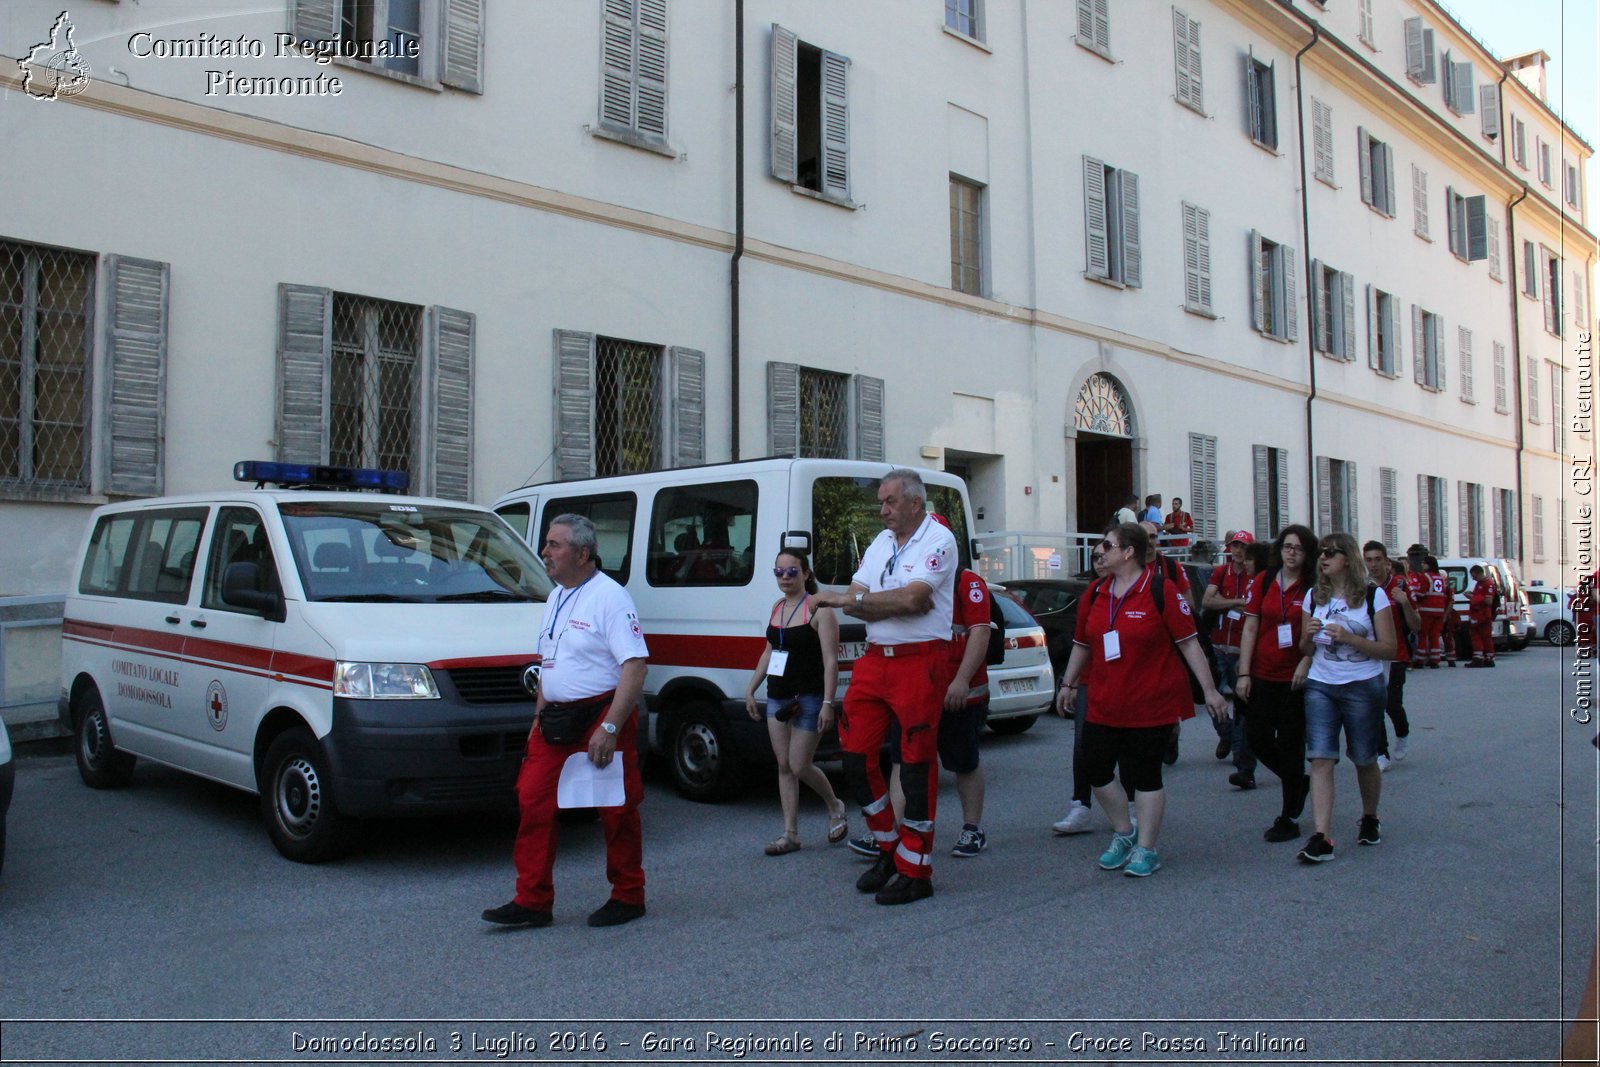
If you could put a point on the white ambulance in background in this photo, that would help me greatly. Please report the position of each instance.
(695, 548)
(340, 653)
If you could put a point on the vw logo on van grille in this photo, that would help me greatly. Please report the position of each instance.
(530, 679)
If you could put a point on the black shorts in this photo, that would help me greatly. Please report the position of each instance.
(1135, 751)
(959, 733)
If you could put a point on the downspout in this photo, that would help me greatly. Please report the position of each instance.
(1516, 346)
(738, 224)
(1305, 236)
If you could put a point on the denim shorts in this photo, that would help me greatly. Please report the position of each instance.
(806, 718)
(1355, 707)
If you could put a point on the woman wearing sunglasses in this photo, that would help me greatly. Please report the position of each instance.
(801, 668)
(1131, 645)
(1271, 697)
(1347, 632)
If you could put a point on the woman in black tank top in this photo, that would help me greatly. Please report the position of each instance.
(801, 667)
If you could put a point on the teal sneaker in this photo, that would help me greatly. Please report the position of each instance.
(1117, 854)
(1143, 863)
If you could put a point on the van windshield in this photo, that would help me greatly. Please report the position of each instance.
(373, 551)
(845, 518)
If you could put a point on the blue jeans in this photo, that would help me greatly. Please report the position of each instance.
(1354, 707)
(1232, 728)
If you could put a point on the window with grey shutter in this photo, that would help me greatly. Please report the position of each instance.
(1271, 490)
(1538, 529)
(1333, 305)
(686, 377)
(1464, 344)
(1389, 507)
(783, 409)
(1459, 94)
(1533, 391)
(1580, 301)
(1196, 259)
(1261, 105)
(1186, 57)
(1285, 278)
(1260, 274)
(1502, 402)
(820, 413)
(1519, 142)
(1321, 328)
(1094, 26)
(810, 136)
(1324, 496)
(1489, 109)
(868, 414)
(1419, 201)
(463, 45)
(1420, 59)
(1491, 240)
(633, 71)
(1530, 270)
(1543, 160)
(401, 38)
(1203, 484)
(1419, 347)
(305, 347)
(1498, 522)
(1424, 511)
(574, 404)
(785, 112)
(452, 346)
(1336, 496)
(1365, 27)
(1476, 218)
(835, 127)
(1463, 502)
(1095, 219)
(1113, 246)
(136, 350)
(1322, 147)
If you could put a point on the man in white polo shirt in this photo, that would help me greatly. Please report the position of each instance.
(904, 592)
(594, 660)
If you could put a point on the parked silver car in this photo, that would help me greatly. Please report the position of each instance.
(1023, 686)
(1552, 614)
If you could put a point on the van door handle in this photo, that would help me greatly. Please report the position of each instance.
(198, 624)
(173, 619)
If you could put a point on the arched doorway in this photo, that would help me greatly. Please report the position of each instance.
(1103, 418)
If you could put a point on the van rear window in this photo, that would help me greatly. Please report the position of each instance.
(845, 518)
(146, 555)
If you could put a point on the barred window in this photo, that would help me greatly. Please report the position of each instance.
(824, 413)
(627, 406)
(46, 345)
(373, 388)
(812, 412)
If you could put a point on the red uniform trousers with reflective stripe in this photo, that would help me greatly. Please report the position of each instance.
(908, 689)
(535, 850)
(1482, 634)
(1430, 649)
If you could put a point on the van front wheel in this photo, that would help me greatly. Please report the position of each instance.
(297, 800)
(702, 754)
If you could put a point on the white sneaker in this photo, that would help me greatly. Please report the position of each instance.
(1076, 821)
(1383, 763)
(1398, 749)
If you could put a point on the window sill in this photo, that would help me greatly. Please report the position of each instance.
(1392, 375)
(1110, 283)
(1204, 313)
(1376, 210)
(1090, 46)
(1423, 237)
(1331, 184)
(1269, 149)
(1372, 46)
(1276, 337)
(836, 201)
(21, 493)
(1470, 400)
(393, 75)
(633, 139)
(965, 39)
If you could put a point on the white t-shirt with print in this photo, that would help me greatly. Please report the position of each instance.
(587, 634)
(1338, 664)
(928, 556)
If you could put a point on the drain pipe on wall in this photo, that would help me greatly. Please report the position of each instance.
(1305, 234)
(1516, 352)
(738, 225)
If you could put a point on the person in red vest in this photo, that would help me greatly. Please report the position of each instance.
(1434, 602)
(1482, 603)
(1406, 621)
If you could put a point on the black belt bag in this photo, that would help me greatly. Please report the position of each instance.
(570, 723)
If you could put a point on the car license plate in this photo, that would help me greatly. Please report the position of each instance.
(850, 651)
(1016, 685)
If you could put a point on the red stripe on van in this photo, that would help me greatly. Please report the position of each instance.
(201, 652)
(485, 661)
(247, 656)
(705, 650)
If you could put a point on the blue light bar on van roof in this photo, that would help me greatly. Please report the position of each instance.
(306, 475)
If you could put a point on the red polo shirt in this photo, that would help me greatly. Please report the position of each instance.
(1274, 606)
(1146, 684)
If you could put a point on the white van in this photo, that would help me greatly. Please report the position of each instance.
(1513, 624)
(342, 654)
(694, 547)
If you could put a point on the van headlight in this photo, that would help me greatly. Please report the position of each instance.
(383, 681)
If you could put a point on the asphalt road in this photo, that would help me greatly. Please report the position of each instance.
(1459, 938)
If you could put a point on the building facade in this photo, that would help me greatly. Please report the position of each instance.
(1288, 261)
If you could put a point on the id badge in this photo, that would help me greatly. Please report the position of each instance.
(777, 662)
(1234, 615)
(1113, 645)
(1285, 635)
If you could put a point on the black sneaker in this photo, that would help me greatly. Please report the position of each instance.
(1368, 832)
(1283, 828)
(1242, 780)
(1318, 850)
(878, 875)
(903, 890)
(615, 912)
(514, 914)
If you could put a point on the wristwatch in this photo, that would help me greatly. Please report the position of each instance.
(610, 728)
(858, 599)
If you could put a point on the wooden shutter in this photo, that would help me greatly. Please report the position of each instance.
(1320, 339)
(1436, 354)
(1253, 118)
(1288, 265)
(1465, 516)
(1322, 139)
(1203, 483)
(136, 351)
(574, 406)
(835, 126)
(1464, 99)
(1197, 257)
(1096, 228)
(1269, 105)
(1477, 227)
(1374, 330)
(618, 34)
(1491, 241)
(1186, 53)
(1430, 69)
(1424, 513)
(1452, 222)
(1364, 147)
(1132, 254)
(1352, 499)
(686, 414)
(1347, 283)
(1414, 47)
(867, 402)
(1324, 496)
(1094, 24)
(1264, 492)
(1500, 396)
(1086, 20)
(1389, 507)
(783, 409)
(1580, 301)
(1538, 529)
(1258, 284)
(1442, 534)
(315, 20)
(1497, 504)
(1464, 342)
(1489, 109)
(452, 342)
(1533, 390)
(462, 54)
(785, 120)
(1419, 199)
(1419, 347)
(1283, 489)
(305, 339)
(1396, 331)
(1386, 168)
(651, 113)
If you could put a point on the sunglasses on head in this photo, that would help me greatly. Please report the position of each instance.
(786, 572)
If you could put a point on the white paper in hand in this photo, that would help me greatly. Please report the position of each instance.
(583, 785)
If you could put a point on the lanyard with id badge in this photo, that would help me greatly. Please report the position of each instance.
(778, 660)
(1111, 641)
(1285, 629)
(563, 601)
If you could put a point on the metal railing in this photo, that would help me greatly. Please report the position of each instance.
(1013, 555)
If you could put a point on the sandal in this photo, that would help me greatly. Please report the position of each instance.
(838, 827)
(783, 846)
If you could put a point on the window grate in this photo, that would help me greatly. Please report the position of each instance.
(824, 414)
(46, 307)
(627, 408)
(373, 385)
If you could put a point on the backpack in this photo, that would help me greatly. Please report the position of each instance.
(997, 633)
(1158, 593)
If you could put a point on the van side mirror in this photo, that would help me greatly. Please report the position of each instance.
(240, 589)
